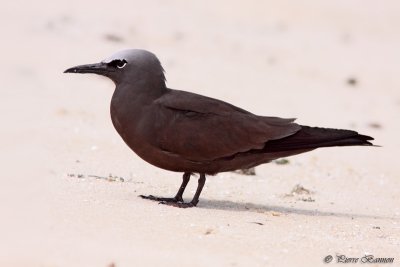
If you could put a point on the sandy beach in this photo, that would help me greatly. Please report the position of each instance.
(70, 185)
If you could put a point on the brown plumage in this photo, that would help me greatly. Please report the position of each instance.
(186, 132)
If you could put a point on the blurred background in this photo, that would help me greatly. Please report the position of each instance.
(329, 64)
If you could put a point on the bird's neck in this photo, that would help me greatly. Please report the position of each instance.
(141, 91)
(128, 105)
(131, 99)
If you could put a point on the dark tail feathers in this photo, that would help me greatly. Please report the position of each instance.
(314, 137)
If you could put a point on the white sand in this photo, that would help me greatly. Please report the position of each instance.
(290, 59)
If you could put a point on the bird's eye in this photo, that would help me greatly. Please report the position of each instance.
(118, 63)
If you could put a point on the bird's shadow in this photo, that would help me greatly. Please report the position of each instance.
(259, 208)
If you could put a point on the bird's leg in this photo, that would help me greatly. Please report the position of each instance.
(185, 181)
(195, 200)
(178, 197)
(202, 181)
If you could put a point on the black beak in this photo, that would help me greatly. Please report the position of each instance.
(97, 68)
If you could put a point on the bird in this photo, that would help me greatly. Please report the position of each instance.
(184, 132)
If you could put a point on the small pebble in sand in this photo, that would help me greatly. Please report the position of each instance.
(113, 38)
(299, 190)
(271, 61)
(374, 125)
(281, 161)
(351, 81)
(376, 227)
(112, 178)
(109, 178)
(62, 112)
(208, 231)
(251, 171)
(76, 175)
(346, 38)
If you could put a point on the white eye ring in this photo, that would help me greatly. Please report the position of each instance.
(120, 67)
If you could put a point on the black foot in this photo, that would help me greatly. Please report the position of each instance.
(177, 201)
(182, 205)
(162, 199)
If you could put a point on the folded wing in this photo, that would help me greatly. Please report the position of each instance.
(200, 128)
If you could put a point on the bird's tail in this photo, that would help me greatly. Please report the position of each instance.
(314, 137)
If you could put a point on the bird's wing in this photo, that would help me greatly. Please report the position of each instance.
(200, 128)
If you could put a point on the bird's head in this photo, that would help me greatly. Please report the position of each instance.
(126, 66)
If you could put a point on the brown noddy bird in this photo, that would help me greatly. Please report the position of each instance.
(190, 133)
